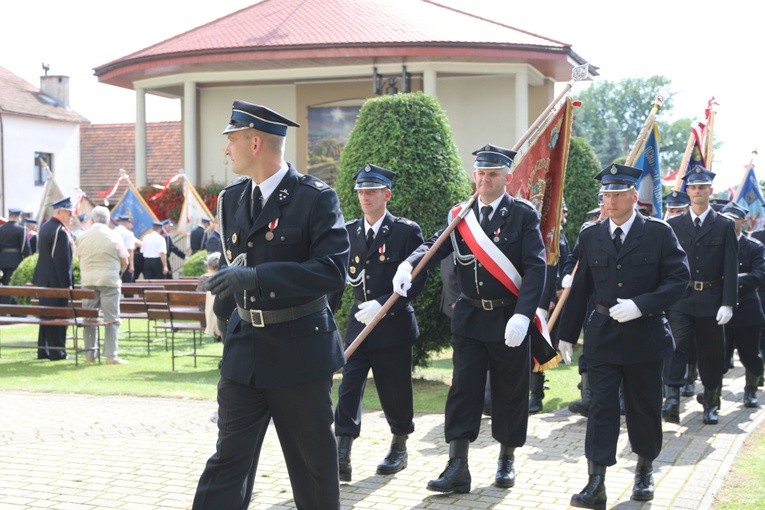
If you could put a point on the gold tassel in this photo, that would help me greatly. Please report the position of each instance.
(550, 364)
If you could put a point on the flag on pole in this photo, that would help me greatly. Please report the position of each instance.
(540, 171)
(132, 204)
(51, 193)
(649, 183)
(750, 196)
(192, 210)
(670, 178)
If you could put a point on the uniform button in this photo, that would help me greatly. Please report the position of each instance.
(618, 266)
(282, 238)
(480, 284)
(620, 284)
(252, 299)
(316, 328)
(366, 262)
(368, 277)
(369, 292)
(272, 294)
(480, 265)
(250, 245)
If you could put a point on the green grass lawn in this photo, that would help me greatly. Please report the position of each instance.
(151, 374)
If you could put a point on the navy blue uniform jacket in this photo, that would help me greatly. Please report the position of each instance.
(372, 278)
(519, 238)
(14, 245)
(751, 276)
(54, 265)
(305, 259)
(651, 269)
(712, 256)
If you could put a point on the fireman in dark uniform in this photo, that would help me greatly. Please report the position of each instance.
(286, 247)
(198, 236)
(743, 330)
(31, 225)
(379, 243)
(707, 304)
(14, 246)
(171, 246)
(490, 324)
(634, 269)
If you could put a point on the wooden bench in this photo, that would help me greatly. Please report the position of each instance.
(25, 308)
(179, 312)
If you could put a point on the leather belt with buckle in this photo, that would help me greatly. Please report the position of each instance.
(262, 318)
(699, 286)
(489, 304)
(602, 309)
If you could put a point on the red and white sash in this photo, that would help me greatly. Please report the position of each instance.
(495, 262)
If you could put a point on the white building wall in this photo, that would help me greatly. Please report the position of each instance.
(486, 111)
(24, 137)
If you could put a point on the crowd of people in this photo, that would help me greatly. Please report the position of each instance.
(109, 254)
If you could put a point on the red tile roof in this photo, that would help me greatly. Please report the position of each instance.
(106, 148)
(22, 98)
(308, 32)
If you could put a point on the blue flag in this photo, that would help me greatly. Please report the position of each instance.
(649, 183)
(132, 204)
(750, 196)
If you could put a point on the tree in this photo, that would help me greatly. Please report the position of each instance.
(580, 188)
(409, 134)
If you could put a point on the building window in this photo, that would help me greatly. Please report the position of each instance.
(43, 167)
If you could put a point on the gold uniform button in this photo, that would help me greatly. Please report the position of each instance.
(234, 238)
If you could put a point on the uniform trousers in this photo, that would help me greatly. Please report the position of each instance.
(642, 409)
(302, 417)
(509, 374)
(747, 342)
(710, 349)
(51, 340)
(392, 371)
(152, 268)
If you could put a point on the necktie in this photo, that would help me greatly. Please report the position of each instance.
(485, 212)
(697, 223)
(257, 206)
(618, 238)
(370, 237)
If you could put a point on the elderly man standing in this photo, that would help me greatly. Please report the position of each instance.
(103, 257)
(500, 243)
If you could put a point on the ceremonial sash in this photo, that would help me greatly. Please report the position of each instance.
(501, 268)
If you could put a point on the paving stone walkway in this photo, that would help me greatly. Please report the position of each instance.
(67, 452)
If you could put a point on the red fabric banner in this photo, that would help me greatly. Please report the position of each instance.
(539, 172)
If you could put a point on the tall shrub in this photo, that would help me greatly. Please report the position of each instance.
(580, 188)
(409, 134)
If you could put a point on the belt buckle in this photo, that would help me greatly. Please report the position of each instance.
(259, 314)
(698, 285)
(486, 304)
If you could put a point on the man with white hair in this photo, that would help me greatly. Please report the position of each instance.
(103, 258)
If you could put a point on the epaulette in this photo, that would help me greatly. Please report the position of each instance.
(405, 221)
(524, 202)
(658, 220)
(314, 182)
(351, 222)
(587, 225)
(237, 182)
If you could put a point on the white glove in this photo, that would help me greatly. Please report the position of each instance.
(724, 314)
(566, 281)
(542, 313)
(566, 351)
(367, 311)
(402, 280)
(516, 330)
(624, 310)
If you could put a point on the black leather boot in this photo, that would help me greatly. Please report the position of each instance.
(671, 409)
(537, 386)
(456, 476)
(397, 457)
(689, 389)
(711, 406)
(594, 493)
(643, 488)
(505, 477)
(582, 406)
(750, 390)
(344, 457)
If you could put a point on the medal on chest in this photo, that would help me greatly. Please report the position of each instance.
(271, 226)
